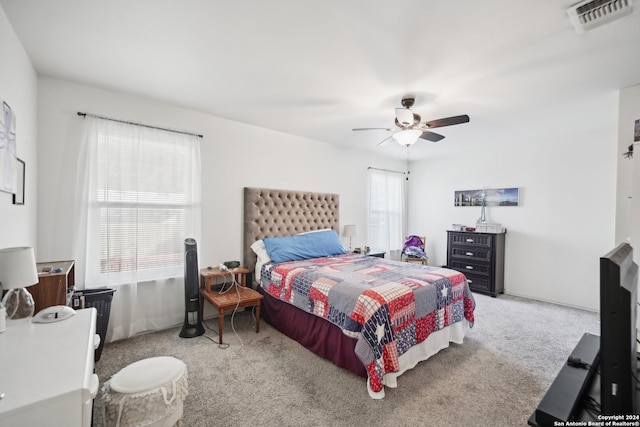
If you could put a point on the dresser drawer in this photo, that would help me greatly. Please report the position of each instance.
(471, 239)
(469, 253)
(471, 267)
(478, 283)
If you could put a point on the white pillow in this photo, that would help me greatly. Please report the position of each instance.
(263, 257)
(260, 250)
(315, 231)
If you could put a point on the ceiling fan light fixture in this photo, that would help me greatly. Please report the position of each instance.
(404, 116)
(409, 126)
(407, 137)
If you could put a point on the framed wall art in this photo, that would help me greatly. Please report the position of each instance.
(491, 196)
(18, 196)
(8, 150)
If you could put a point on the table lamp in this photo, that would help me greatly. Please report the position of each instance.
(350, 231)
(18, 271)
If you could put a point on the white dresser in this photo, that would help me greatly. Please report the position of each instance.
(46, 372)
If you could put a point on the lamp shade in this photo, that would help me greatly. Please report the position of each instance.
(407, 137)
(17, 271)
(17, 268)
(350, 231)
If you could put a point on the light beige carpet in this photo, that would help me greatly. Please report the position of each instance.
(496, 378)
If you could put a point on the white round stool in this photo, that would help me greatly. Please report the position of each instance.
(149, 393)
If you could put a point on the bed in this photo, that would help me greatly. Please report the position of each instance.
(375, 317)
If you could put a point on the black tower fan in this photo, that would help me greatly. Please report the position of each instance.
(191, 291)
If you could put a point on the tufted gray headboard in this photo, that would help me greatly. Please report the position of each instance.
(272, 213)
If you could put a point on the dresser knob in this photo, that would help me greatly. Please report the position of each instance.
(469, 253)
(469, 267)
(469, 240)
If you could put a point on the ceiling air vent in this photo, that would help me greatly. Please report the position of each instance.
(592, 13)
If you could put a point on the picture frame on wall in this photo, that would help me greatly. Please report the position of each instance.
(487, 197)
(18, 196)
(8, 149)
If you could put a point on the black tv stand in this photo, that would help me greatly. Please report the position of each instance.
(565, 398)
(562, 399)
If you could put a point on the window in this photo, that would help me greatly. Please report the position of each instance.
(386, 210)
(143, 197)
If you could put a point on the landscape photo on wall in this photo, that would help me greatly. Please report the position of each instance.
(491, 197)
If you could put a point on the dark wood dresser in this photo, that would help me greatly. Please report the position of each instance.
(480, 256)
(53, 285)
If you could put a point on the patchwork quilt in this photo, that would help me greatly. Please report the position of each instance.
(388, 306)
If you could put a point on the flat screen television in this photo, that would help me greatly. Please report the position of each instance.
(618, 345)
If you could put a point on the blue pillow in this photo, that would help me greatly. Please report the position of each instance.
(303, 246)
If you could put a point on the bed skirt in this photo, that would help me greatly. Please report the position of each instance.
(314, 333)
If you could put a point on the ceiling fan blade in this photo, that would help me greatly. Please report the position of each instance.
(447, 121)
(431, 136)
(387, 129)
(404, 116)
(384, 141)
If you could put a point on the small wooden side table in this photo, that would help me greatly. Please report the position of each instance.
(232, 298)
(55, 279)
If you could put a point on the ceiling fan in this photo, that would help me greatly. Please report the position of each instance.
(409, 129)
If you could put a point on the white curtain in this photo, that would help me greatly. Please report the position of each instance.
(386, 223)
(138, 199)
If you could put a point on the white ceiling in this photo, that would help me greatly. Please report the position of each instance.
(320, 68)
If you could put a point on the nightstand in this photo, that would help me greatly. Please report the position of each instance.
(208, 274)
(376, 254)
(232, 298)
(52, 288)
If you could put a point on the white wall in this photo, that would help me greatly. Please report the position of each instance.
(628, 190)
(565, 222)
(18, 89)
(567, 183)
(234, 155)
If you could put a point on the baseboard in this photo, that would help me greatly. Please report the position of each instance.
(550, 301)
